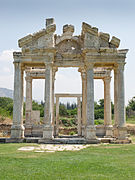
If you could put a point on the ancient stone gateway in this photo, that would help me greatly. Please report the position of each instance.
(94, 54)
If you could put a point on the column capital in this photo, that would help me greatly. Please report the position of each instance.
(82, 70)
(119, 66)
(89, 66)
(48, 65)
(54, 70)
(28, 78)
(17, 64)
(107, 79)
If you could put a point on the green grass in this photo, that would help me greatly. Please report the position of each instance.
(103, 162)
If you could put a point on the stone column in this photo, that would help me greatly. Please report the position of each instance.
(28, 103)
(84, 100)
(90, 128)
(115, 131)
(17, 129)
(107, 107)
(79, 116)
(57, 116)
(121, 123)
(48, 129)
(28, 106)
(53, 113)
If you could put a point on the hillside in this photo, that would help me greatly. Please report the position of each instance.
(4, 92)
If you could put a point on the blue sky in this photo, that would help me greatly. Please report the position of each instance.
(21, 17)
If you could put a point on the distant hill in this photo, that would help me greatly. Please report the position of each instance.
(4, 92)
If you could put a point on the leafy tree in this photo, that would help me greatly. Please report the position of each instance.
(131, 104)
(62, 109)
(101, 103)
(99, 113)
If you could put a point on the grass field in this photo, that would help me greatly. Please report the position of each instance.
(103, 162)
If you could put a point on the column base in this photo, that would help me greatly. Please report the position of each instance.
(47, 132)
(56, 131)
(120, 133)
(90, 132)
(83, 131)
(79, 130)
(109, 132)
(28, 130)
(17, 131)
(115, 131)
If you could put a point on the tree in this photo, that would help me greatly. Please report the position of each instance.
(6, 106)
(62, 109)
(131, 104)
(68, 105)
(101, 103)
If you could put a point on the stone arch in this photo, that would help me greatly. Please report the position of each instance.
(68, 46)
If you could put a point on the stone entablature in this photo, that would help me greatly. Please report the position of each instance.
(99, 73)
(94, 54)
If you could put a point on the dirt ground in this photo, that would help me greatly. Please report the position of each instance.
(5, 120)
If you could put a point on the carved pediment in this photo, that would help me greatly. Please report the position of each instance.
(68, 46)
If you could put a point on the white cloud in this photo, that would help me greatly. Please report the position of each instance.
(6, 69)
(6, 55)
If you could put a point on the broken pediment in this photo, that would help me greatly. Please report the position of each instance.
(41, 39)
(90, 38)
(95, 39)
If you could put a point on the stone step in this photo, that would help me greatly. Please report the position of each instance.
(68, 141)
(2, 140)
(69, 136)
(14, 140)
(32, 140)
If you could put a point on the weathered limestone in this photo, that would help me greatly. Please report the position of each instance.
(17, 129)
(28, 100)
(53, 113)
(94, 54)
(79, 116)
(28, 107)
(90, 128)
(115, 131)
(107, 107)
(48, 129)
(121, 128)
(84, 99)
(57, 116)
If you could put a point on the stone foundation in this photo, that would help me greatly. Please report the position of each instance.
(90, 133)
(47, 132)
(17, 131)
